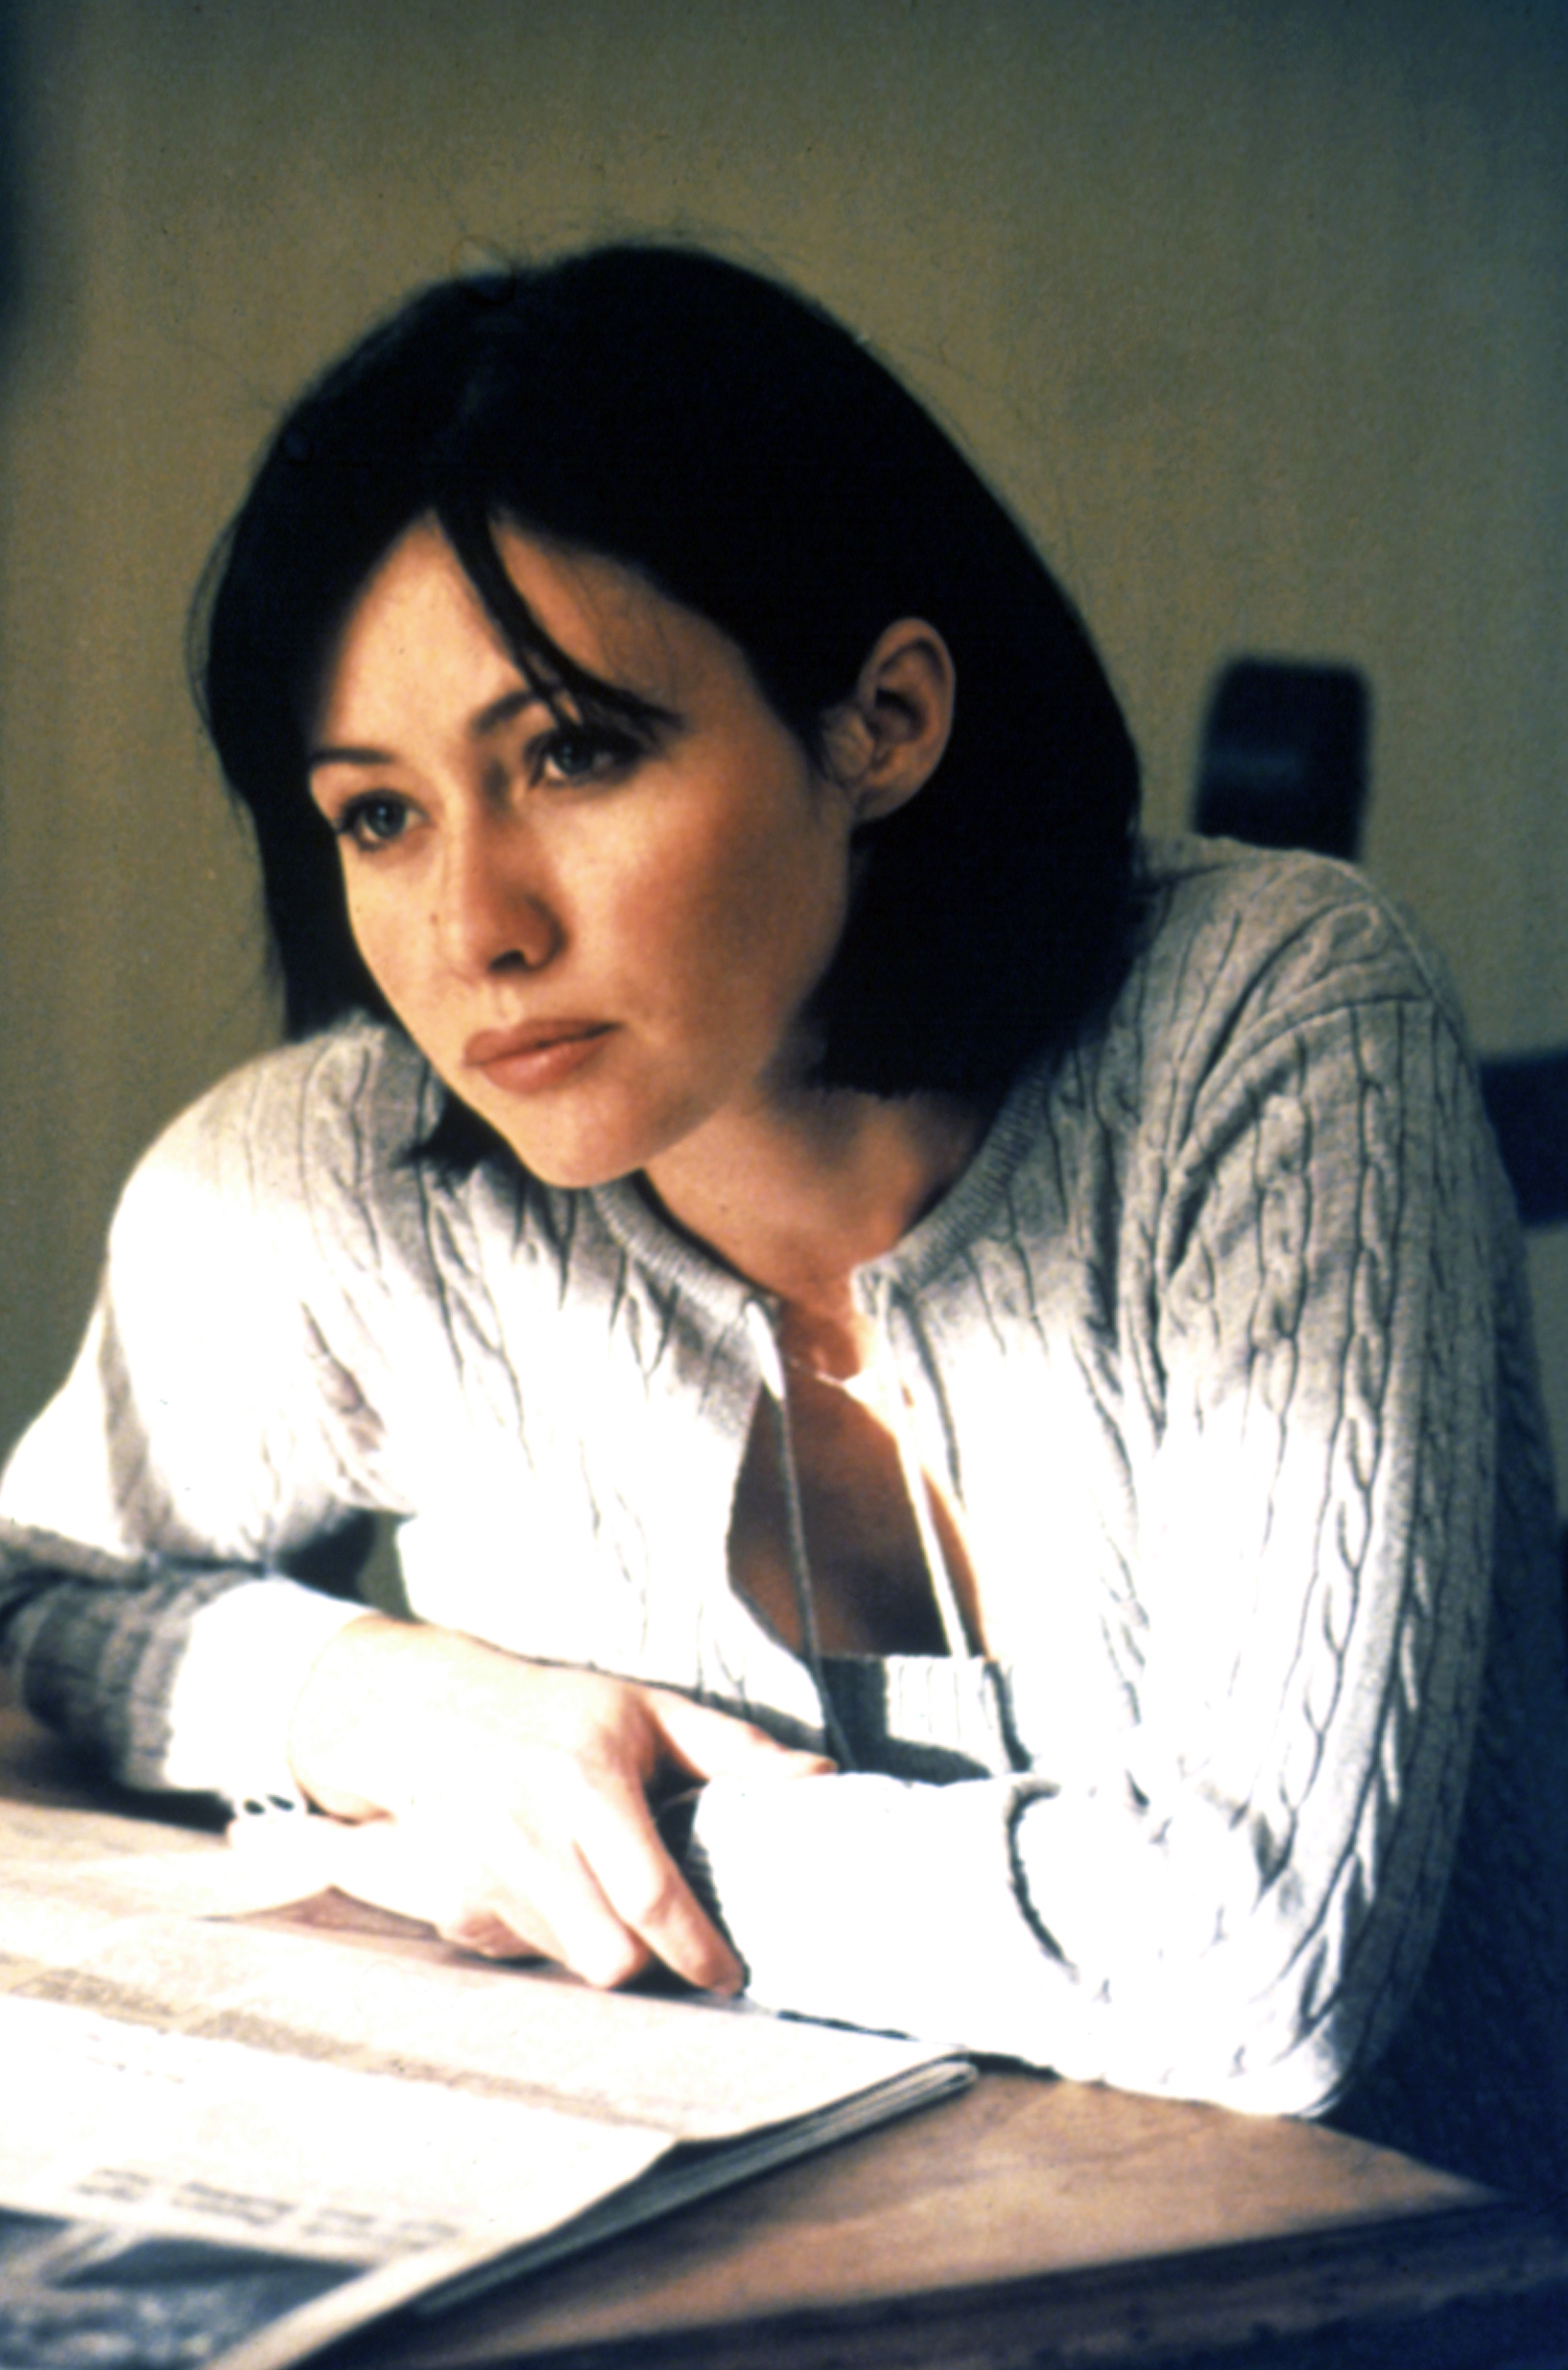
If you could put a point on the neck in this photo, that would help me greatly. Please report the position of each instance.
(797, 1198)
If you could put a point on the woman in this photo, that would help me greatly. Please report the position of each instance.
(953, 1390)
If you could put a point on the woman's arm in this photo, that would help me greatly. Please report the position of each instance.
(208, 1439)
(205, 1442)
(1238, 1904)
(173, 1673)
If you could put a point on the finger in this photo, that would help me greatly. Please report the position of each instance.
(412, 1866)
(587, 1934)
(408, 1865)
(489, 1892)
(286, 1859)
(489, 1935)
(644, 1889)
(708, 1743)
(537, 1887)
(485, 1896)
(488, 1888)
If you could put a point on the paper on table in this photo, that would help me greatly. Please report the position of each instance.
(694, 2070)
(312, 2086)
(262, 2189)
(208, 2139)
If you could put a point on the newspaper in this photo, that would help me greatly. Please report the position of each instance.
(228, 2137)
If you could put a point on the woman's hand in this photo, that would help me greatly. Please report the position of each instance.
(508, 1801)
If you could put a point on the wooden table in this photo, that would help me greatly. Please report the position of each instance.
(1046, 2223)
(1033, 2223)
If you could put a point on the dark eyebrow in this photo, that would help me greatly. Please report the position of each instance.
(347, 756)
(488, 719)
(510, 703)
(630, 705)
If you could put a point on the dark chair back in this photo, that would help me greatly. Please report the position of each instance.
(1527, 1102)
(1284, 760)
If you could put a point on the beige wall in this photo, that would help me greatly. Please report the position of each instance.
(1254, 307)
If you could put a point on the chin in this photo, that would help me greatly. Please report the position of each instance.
(575, 1165)
(570, 1169)
(568, 1176)
(575, 1150)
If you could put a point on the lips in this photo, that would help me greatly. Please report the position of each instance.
(539, 1054)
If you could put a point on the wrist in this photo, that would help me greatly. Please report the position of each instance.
(329, 1747)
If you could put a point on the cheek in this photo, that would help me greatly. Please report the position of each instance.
(760, 914)
(363, 922)
(386, 936)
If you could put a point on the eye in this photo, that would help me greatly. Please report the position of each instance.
(586, 752)
(374, 821)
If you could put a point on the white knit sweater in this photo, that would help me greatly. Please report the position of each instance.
(1216, 1350)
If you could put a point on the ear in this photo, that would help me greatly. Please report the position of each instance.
(885, 740)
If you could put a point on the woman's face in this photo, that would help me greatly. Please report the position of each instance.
(602, 938)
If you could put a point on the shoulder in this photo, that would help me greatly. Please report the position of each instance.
(1244, 950)
(1277, 934)
(1276, 999)
(358, 1092)
(300, 1179)
(288, 1146)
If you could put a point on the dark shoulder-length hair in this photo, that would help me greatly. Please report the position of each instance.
(707, 427)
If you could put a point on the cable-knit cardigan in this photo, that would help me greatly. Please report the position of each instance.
(1216, 1348)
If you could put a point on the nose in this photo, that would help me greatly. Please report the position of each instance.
(492, 911)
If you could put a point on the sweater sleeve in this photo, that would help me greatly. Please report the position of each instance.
(197, 1454)
(1238, 1903)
